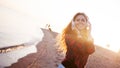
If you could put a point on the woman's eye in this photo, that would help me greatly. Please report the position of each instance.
(82, 20)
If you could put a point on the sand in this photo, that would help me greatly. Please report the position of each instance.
(48, 56)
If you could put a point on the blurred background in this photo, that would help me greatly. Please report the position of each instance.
(103, 15)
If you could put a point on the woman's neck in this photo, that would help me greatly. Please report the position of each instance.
(84, 33)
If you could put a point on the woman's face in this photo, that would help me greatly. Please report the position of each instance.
(80, 22)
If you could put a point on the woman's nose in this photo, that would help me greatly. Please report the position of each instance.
(81, 22)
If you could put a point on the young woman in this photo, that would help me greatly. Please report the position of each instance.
(77, 42)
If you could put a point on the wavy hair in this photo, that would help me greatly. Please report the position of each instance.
(68, 30)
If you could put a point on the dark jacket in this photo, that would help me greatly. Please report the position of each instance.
(78, 51)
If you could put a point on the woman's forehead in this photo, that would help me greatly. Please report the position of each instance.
(80, 16)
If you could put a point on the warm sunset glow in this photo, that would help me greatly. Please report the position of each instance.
(103, 14)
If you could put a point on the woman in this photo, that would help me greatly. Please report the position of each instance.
(77, 42)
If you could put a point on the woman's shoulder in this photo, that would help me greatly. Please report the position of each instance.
(70, 40)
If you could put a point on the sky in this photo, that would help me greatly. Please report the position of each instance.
(103, 15)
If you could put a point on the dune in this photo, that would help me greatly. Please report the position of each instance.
(103, 58)
(48, 56)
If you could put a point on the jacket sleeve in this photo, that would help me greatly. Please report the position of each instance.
(90, 48)
(87, 45)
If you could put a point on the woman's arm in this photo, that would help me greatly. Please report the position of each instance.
(90, 48)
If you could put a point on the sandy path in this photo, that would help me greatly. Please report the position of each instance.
(47, 56)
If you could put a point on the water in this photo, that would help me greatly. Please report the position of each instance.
(6, 59)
